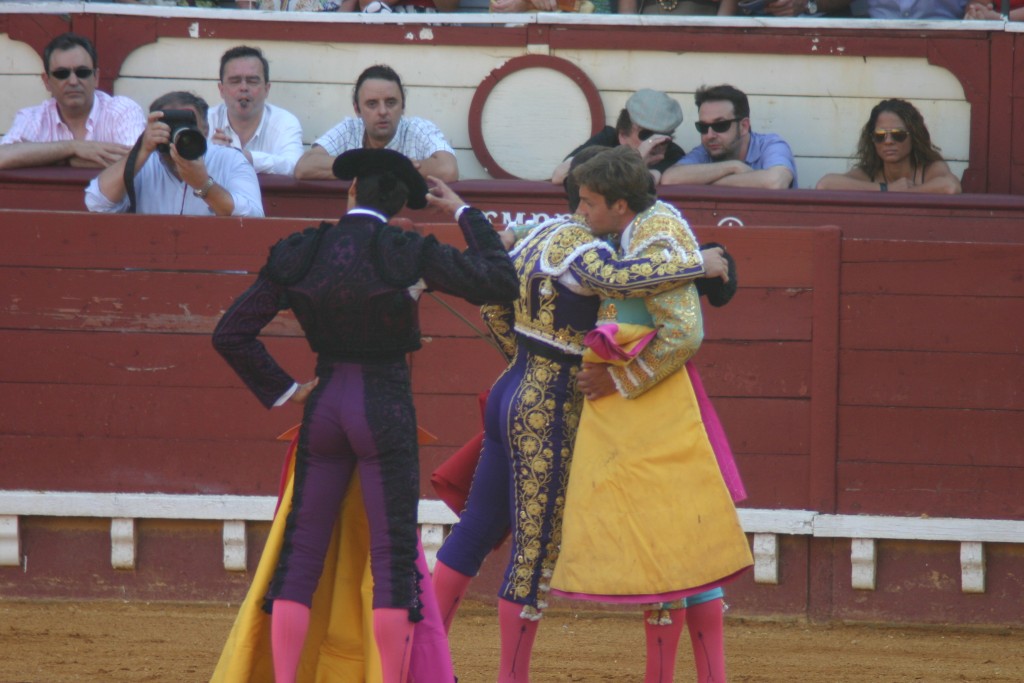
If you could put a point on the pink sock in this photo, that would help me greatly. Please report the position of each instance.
(289, 622)
(431, 657)
(706, 634)
(517, 636)
(393, 631)
(662, 646)
(449, 586)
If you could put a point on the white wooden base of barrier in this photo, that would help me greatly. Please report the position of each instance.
(125, 509)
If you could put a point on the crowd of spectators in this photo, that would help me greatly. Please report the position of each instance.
(146, 170)
(162, 164)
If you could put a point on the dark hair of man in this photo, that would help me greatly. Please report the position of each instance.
(572, 188)
(380, 72)
(245, 51)
(922, 151)
(381, 191)
(180, 98)
(68, 41)
(618, 173)
(718, 93)
(624, 124)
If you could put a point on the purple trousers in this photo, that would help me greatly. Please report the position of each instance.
(360, 415)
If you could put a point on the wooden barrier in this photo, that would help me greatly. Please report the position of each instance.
(856, 377)
(967, 217)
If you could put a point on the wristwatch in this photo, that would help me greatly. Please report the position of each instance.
(201, 192)
(812, 7)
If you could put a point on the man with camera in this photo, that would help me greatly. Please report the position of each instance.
(174, 170)
(79, 125)
(730, 153)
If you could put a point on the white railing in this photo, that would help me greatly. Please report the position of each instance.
(766, 526)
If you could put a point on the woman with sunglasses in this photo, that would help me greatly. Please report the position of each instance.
(895, 154)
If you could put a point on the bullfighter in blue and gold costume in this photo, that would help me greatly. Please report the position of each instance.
(532, 414)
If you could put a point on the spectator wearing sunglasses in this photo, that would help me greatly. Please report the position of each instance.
(647, 123)
(895, 154)
(730, 153)
(79, 125)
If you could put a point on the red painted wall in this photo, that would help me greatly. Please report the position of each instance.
(852, 375)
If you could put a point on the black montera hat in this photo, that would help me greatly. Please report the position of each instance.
(364, 161)
(719, 293)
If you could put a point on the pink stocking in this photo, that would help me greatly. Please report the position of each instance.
(450, 586)
(431, 657)
(706, 634)
(517, 636)
(289, 622)
(393, 631)
(662, 646)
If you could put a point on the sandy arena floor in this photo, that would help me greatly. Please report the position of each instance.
(53, 642)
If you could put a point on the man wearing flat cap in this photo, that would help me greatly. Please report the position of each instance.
(647, 124)
(354, 287)
(730, 153)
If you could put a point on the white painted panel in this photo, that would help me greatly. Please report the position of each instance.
(530, 119)
(235, 546)
(972, 567)
(919, 528)
(20, 91)
(766, 558)
(436, 512)
(863, 563)
(122, 543)
(308, 62)
(17, 57)
(10, 541)
(768, 74)
(776, 521)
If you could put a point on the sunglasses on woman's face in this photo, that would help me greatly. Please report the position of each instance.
(882, 134)
(81, 72)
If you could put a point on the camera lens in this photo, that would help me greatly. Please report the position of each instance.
(190, 143)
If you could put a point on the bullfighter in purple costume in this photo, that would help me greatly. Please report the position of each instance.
(354, 286)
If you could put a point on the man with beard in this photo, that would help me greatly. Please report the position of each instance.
(730, 153)
(380, 123)
(269, 136)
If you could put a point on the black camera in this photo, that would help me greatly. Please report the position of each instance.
(185, 134)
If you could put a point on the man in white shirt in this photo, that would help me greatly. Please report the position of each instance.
(379, 102)
(269, 136)
(219, 182)
(80, 125)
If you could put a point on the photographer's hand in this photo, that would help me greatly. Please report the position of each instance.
(111, 179)
(195, 175)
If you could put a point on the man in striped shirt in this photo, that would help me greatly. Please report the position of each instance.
(79, 126)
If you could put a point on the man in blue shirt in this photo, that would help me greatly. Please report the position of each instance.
(730, 154)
